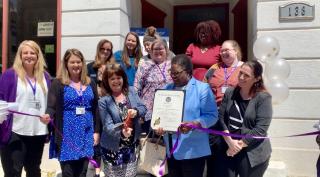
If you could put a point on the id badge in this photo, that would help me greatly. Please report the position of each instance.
(35, 104)
(80, 110)
(224, 88)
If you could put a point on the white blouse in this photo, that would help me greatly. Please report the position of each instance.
(29, 125)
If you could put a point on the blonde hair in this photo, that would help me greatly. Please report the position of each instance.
(38, 68)
(163, 43)
(63, 73)
(236, 47)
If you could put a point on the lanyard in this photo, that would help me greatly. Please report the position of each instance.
(79, 92)
(163, 71)
(33, 87)
(226, 74)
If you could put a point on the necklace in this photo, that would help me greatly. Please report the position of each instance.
(203, 50)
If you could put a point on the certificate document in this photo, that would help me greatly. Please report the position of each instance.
(167, 109)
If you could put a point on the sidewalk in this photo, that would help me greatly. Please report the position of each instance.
(51, 167)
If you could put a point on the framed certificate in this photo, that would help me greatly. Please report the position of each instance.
(167, 109)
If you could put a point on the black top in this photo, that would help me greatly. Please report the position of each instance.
(236, 113)
(92, 72)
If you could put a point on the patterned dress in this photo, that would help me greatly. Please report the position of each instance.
(77, 129)
(122, 163)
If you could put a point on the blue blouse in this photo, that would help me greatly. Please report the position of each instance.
(77, 129)
(130, 71)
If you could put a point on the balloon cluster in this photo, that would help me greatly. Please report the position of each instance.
(266, 50)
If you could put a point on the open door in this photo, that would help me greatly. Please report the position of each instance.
(240, 12)
(151, 15)
(188, 16)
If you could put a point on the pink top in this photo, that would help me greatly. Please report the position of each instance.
(202, 61)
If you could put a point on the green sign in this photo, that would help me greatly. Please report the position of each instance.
(49, 48)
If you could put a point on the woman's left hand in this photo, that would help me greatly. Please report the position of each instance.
(184, 128)
(96, 139)
(242, 144)
(132, 113)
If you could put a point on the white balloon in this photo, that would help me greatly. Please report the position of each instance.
(265, 48)
(277, 68)
(278, 89)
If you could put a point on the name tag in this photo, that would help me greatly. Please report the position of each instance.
(80, 110)
(34, 104)
(224, 88)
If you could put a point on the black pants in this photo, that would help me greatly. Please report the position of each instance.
(23, 151)
(146, 126)
(186, 168)
(220, 165)
(74, 168)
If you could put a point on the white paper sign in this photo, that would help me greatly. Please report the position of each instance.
(45, 29)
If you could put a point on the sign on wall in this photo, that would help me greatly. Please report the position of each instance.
(296, 11)
(45, 29)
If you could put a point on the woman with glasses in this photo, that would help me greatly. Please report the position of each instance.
(152, 75)
(220, 76)
(224, 74)
(120, 110)
(200, 110)
(104, 55)
(204, 51)
(130, 56)
(245, 110)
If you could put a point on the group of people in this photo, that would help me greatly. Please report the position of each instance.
(99, 110)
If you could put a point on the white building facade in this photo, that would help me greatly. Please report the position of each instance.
(82, 23)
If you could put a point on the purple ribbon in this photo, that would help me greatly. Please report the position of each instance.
(215, 132)
(91, 160)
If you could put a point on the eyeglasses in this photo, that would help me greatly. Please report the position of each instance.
(225, 50)
(175, 73)
(105, 49)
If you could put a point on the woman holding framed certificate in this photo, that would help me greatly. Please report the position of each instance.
(200, 109)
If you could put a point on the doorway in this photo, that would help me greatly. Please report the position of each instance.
(151, 15)
(187, 17)
(33, 20)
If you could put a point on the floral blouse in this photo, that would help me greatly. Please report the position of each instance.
(149, 77)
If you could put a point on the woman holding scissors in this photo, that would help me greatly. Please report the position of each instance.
(120, 110)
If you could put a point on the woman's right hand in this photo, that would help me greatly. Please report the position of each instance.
(127, 132)
(159, 131)
(45, 118)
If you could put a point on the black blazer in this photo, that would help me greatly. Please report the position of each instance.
(257, 119)
(55, 110)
